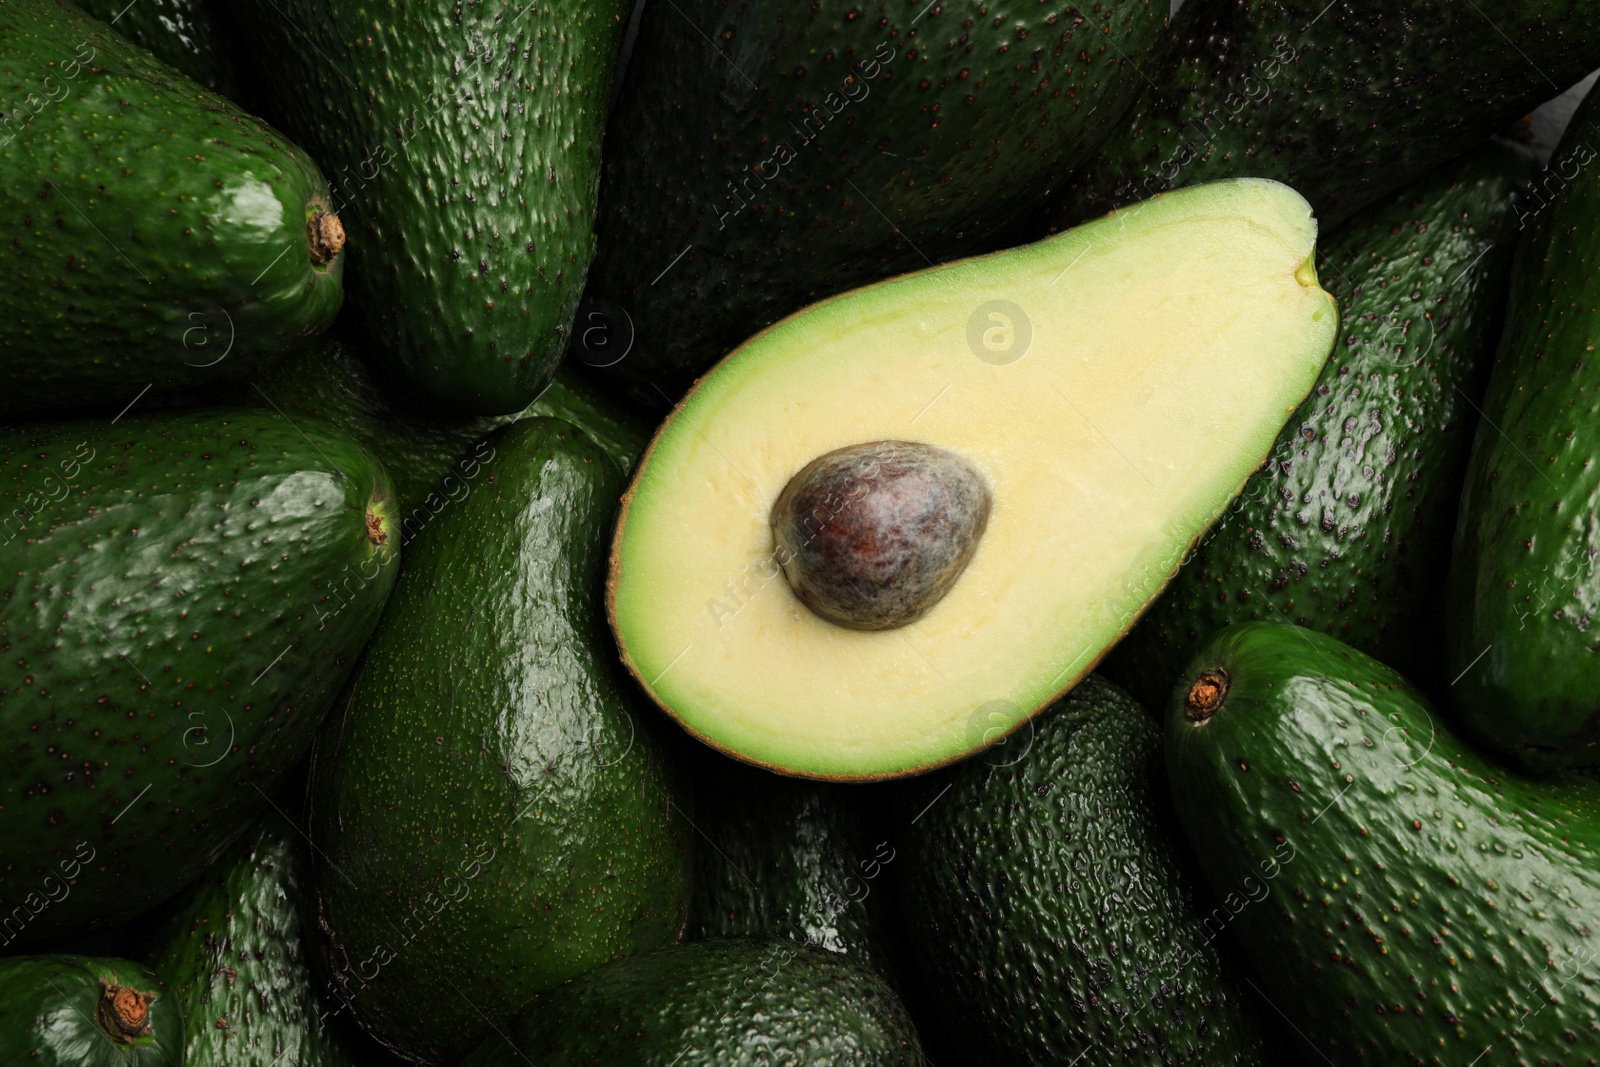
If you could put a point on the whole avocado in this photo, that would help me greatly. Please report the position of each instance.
(157, 236)
(732, 1003)
(1052, 916)
(1523, 583)
(1403, 898)
(85, 1011)
(491, 811)
(464, 141)
(183, 597)
(1340, 530)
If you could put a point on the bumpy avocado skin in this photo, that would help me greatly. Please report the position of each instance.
(463, 140)
(232, 951)
(1345, 103)
(1404, 899)
(1342, 528)
(788, 152)
(1524, 586)
(491, 810)
(184, 595)
(1050, 913)
(732, 1003)
(186, 34)
(156, 234)
(49, 1004)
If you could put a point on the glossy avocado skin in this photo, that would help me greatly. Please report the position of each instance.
(1403, 898)
(463, 141)
(232, 951)
(729, 1003)
(186, 34)
(490, 808)
(49, 1006)
(1342, 528)
(168, 247)
(422, 447)
(183, 597)
(1051, 914)
(1345, 103)
(1523, 583)
(816, 148)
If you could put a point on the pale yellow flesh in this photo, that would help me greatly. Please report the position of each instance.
(1169, 344)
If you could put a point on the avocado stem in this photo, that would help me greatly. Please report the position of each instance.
(375, 531)
(124, 1013)
(1206, 695)
(326, 234)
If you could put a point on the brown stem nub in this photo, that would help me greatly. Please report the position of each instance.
(375, 531)
(1206, 694)
(326, 234)
(124, 1013)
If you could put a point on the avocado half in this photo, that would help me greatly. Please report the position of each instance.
(1111, 388)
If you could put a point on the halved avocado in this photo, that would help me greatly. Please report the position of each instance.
(1058, 423)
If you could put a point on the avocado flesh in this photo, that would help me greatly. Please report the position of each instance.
(1340, 530)
(1403, 898)
(1164, 347)
(55, 1012)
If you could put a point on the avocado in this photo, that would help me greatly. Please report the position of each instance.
(491, 811)
(1402, 897)
(187, 34)
(231, 948)
(1345, 102)
(731, 1003)
(464, 141)
(157, 236)
(86, 1011)
(420, 446)
(763, 156)
(1523, 581)
(1027, 417)
(184, 595)
(1049, 909)
(1342, 527)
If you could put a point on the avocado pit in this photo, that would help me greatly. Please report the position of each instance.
(870, 537)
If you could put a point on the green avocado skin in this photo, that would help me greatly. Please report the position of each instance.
(815, 148)
(155, 234)
(491, 810)
(1344, 103)
(49, 1004)
(1523, 585)
(1343, 527)
(185, 34)
(1403, 898)
(232, 951)
(183, 596)
(1049, 912)
(728, 1003)
(462, 141)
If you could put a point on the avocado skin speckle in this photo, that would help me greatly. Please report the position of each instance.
(48, 1007)
(182, 597)
(491, 808)
(735, 1003)
(1344, 103)
(1049, 910)
(1415, 902)
(154, 233)
(186, 34)
(1342, 528)
(1524, 586)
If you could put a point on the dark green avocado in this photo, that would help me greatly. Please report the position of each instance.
(232, 951)
(1343, 101)
(765, 155)
(463, 141)
(155, 234)
(1049, 911)
(733, 1003)
(491, 810)
(183, 596)
(1524, 587)
(1343, 527)
(86, 1011)
(186, 34)
(1403, 898)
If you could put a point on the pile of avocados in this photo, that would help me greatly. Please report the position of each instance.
(690, 534)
